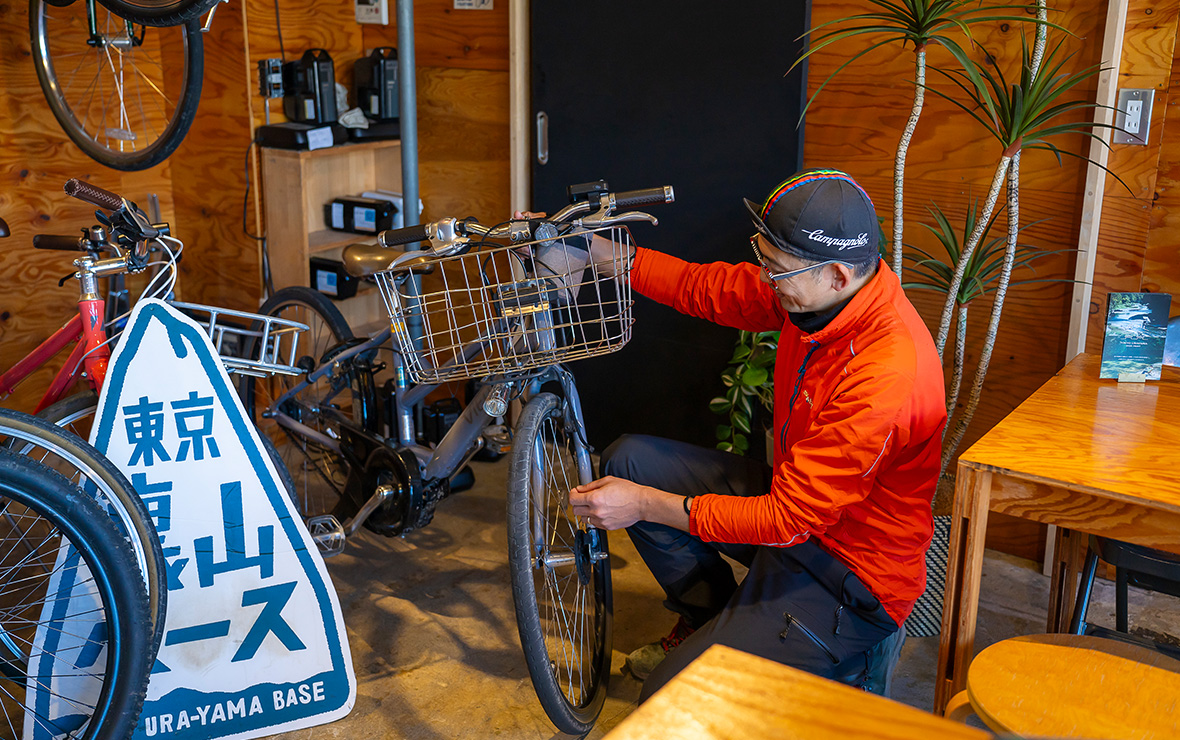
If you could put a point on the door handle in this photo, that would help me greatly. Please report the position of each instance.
(542, 137)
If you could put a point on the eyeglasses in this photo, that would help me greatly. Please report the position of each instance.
(776, 276)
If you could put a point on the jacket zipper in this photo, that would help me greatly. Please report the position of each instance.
(782, 437)
(810, 635)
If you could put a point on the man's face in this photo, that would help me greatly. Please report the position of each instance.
(806, 291)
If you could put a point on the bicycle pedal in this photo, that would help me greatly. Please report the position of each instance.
(497, 440)
(327, 534)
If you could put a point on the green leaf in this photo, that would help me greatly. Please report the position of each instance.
(720, 405)
(754, 376)
(741, 422)
(740, 444)
(723, 431)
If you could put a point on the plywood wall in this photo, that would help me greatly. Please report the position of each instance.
(1150, 259)
(463, 129)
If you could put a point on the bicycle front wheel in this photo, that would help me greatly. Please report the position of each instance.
(318, 473)
(124, 93)
(75, 650)
(159, 12)
(57, 439)
(560, 569)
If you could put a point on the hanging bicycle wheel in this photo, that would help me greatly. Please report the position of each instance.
(75, 649)
(159, 12)
(318, 472)
(124, 93)
(560, 569)
(57, 439)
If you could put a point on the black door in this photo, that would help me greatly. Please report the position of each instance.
(688, 93)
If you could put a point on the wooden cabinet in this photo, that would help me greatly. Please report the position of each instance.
(296, 186)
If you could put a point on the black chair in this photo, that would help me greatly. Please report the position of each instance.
(1134, 565)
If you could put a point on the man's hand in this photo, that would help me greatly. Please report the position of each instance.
(615, 503)
(606, 255)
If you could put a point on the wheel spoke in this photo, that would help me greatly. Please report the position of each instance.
(570, 583)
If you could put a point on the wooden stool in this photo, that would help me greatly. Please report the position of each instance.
(1072, 686)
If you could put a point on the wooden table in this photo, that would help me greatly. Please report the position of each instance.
(1067, 686)
(733, 695)
(1090, 456)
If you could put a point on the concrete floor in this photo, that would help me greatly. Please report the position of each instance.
(436, 653)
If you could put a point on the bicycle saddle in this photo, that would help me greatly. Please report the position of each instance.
(364, 260)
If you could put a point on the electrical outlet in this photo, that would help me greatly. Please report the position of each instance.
(1133, 116)
(372, 11)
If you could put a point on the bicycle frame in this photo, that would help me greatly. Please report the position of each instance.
(460, 442)
(88, 358)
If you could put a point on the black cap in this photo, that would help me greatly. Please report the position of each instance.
(819, 215)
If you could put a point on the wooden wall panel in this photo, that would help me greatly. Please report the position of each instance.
(449, 38)
(463, 143)
(1161, 261)
(36, 158)
(1138, 224)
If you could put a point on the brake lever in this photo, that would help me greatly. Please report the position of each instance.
(603, 218)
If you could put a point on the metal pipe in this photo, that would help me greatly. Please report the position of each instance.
(408, 110)
(408, 107)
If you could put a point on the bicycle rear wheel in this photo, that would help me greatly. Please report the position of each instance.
(75, 652)
(125, 94)
(318, 473)
(159, 12)
(64, 449)
(560, 570)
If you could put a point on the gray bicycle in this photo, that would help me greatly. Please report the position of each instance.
(507, 306)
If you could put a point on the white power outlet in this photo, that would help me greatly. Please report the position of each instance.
(1134, 116)
(372, 11)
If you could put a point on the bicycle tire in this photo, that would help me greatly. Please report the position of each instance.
(53, 438)
(563, 608)
(317, 473)
(159, 12)
(133, 77)
(57, 527)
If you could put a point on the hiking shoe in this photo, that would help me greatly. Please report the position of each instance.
(643, 661)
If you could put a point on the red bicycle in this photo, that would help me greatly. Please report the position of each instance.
(122, 244)
(128, 236)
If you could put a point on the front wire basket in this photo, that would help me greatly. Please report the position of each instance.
(249, 343)
(509, 310)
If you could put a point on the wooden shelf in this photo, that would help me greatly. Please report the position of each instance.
(297, 184)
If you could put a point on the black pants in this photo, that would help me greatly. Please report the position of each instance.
(798, 605)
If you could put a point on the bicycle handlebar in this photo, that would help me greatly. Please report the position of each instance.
(450, 234)
(93, 194)
(63, 243)
(407, 235)
(645, 197)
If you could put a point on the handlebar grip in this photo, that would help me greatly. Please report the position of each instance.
(645, 197)
(54, 241)
(407, 235)
(93, 194)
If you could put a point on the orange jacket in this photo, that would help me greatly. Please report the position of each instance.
(857, 454)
